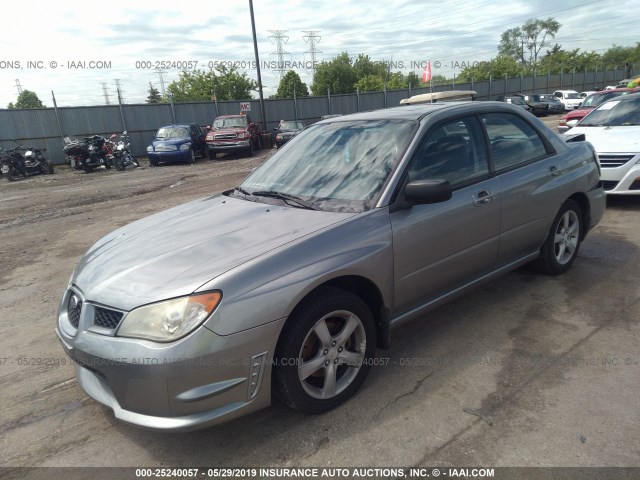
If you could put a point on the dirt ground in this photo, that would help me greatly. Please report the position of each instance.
(553, 362)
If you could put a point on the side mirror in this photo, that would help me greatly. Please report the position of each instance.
(208, 127)
(427, 191)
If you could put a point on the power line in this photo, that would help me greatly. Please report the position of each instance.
(312, 38)
(161, 74)
(280, 39)
(105, 92)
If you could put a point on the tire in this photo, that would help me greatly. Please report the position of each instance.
(119, 164)
(12, 174)
(87, 168)
(50, 168)
(153, 163)
(320, 379)
(211, 155)
(560, 249)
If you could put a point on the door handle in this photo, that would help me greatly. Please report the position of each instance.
(482, 198)
(554, 171)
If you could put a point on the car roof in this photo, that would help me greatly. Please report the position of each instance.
(230, 116)
(418, 111)
(187, 125)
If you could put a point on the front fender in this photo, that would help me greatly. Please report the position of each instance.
(269, 287)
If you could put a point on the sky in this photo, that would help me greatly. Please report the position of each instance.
(80, 50)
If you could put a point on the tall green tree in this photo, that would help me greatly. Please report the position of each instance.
(225, 82)
(27, 99)
(558, 60)
(337, 74)
(154, 94)
(525, 43)
(289, 83)
(499, 67)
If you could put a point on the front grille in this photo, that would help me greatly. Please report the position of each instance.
(613, 161)
(224, 136)
(609, 184)
(74, 307)
(107, 318)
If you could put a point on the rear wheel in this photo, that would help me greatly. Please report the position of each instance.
(561, 247)
(87, 168)
(324, 351)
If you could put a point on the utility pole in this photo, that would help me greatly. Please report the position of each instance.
(255, 50)
(312, 38)
(119, 90)
(18, 86)
(105, 92)
(279, 38)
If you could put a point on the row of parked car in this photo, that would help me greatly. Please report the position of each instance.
(229, 133)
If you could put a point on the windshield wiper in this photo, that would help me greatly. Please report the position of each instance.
(242, 190)
(284, 197)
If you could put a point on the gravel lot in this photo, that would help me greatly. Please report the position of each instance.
(553, 362)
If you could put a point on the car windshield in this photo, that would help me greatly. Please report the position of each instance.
(172, 132)
(549, 98)
(291, 126)
(597, 99)
(614, 113)
(339, 166)
(229, 122)
(572, 96)
(516, 101)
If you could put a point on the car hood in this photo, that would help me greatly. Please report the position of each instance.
(611, 139)
(174, 252)
(578, 113)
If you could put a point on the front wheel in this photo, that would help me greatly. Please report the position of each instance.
(561, 247)
(12, 174)
(324, 351)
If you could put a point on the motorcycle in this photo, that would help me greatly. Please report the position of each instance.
(90, 153)
(122, 157)
(14, 164)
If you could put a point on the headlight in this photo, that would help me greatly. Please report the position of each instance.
(185, 146)
(209, 137)
(169, 320)
(243, 135)
(150, 148)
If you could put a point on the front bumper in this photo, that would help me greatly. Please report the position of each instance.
(623, 180)
(200, 380)
(170, 156)
(228, 146)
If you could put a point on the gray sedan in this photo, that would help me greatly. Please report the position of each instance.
(287, 284)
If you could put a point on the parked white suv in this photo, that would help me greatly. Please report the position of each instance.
(570, 99)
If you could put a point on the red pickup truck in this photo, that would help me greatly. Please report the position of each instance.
(230, 133)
